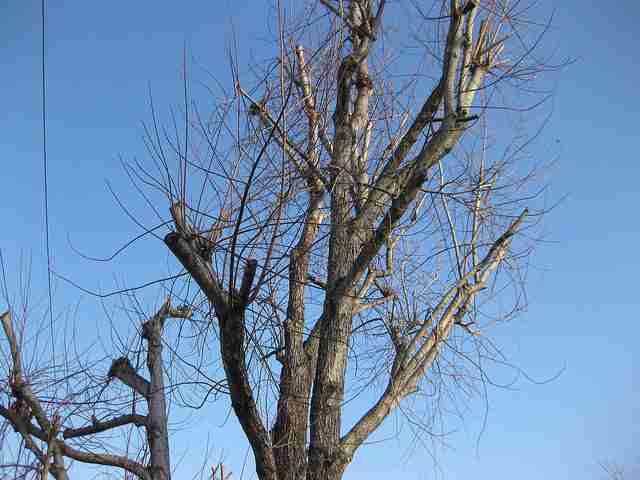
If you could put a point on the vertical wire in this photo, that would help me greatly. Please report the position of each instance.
(45, 168)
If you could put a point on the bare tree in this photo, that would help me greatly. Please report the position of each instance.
(335, 214)
(50, 441)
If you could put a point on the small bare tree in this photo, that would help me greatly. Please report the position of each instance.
(334, 214)
(40, 420)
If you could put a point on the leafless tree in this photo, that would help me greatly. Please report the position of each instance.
(349, 210)
(40, 420)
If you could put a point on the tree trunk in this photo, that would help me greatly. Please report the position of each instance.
(328, 392)
(157, 431)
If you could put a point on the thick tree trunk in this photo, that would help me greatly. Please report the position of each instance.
(328, 392)
(326, 406)
(292, 421)
(290, 430)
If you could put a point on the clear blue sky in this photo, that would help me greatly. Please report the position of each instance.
(583, 298)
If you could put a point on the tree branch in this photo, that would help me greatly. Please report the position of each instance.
(105, 459)
(98, 427)
(122, 369)
(232, 335)
(405, 377)
(198, 267)
(20, 388)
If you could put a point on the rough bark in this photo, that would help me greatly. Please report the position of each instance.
(298, 365)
